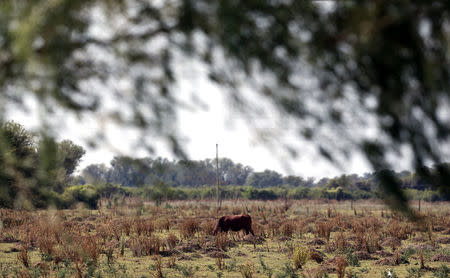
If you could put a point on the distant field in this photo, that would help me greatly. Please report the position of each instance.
(293, 239)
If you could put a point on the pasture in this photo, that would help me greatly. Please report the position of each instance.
(132, 238)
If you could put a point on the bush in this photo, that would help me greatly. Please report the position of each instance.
(414, 272)
(288, 272)
(351, 257)
(86, 194)
(442, 272)
(300, 256)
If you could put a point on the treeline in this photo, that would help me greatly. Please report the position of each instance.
(141, 172)
(36, 172)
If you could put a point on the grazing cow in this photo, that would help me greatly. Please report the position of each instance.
(234, 223)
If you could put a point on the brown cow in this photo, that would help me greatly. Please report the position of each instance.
(234, 223)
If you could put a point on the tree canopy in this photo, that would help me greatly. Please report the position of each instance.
(33, 170)
(329, 67)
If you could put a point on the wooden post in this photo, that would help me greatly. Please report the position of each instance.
(217, 177)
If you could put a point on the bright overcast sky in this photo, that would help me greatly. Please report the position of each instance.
(202, 128)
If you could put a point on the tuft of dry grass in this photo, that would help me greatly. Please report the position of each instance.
(171, 240)
(288, 228)
(158, 267)
(144, 227)
(189, 227)
(23, 258)
(323, 229)
(220, 263)
(145, 246)
(341, 264)
(222, 241)
(208, 226)
(247, 270)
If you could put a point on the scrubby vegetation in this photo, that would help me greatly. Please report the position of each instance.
(38, 172)
(133, 238)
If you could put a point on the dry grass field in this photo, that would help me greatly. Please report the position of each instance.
(293, 239)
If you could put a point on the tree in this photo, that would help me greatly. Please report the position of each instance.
(17, 164)
(69, 155)
(268, 178)
(293, 181)
(57, 162)
(96, 174)
(387, 60)
(129, 171)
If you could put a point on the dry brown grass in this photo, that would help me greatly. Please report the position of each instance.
(158, 266)
(171, 240)
(222, 241)
(208, 226)
(88, 239)
(288, 228)
(145, 246)
(23, 257)
(144, 227)
(189, 227)
(323, 229)
(341, 264)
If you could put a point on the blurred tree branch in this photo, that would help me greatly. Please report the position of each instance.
(387, 59)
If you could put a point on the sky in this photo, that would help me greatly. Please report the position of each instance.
(216, 123)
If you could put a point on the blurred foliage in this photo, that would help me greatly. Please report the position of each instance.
(32, 172)
(325, 65)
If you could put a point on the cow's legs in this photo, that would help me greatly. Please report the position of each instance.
(251, 231)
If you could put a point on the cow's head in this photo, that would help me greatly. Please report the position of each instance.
(219, 226)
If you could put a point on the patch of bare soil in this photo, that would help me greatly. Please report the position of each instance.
(419, 239)
(317, 256)
(253, 239)
(425, 247)
(317, 241)
(188, 247)
(441, 258)
(364, 255)
(385, 261)
(168, 253)
(391, 241)
(217, 254)
(8, 239)
(443, 240)
(383, 253)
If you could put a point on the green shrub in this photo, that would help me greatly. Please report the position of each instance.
(231, 266)
(414, 272)
(351, 257)
(404, 257)
(288, 272)
(86, 194)
(300, 256)
(442, 272)
(267, 270)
